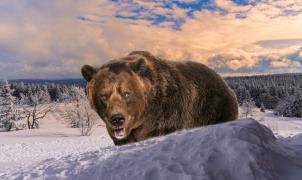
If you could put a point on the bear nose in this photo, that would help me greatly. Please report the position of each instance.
(117, 119)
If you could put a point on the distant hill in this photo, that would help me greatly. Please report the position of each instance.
(265, 76)
(82, 82)
(77, 82)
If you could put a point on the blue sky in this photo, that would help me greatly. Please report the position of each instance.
(139, 12)
(52, 38)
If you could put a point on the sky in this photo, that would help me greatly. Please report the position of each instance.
(52, 39)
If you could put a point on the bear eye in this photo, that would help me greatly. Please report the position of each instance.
(104, 97)
(126, 95)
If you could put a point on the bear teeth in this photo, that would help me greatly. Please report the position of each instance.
(119, 133)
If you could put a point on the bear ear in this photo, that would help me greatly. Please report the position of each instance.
(88, 72)
(139, 66)
(142, 53)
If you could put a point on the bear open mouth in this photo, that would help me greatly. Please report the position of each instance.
(119, 133)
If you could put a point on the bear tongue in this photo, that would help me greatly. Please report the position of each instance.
(119, 133)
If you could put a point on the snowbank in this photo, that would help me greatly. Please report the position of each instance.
(242, 149)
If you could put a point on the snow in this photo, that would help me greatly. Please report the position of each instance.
(19, 149)
(269, 147)
(281, 126)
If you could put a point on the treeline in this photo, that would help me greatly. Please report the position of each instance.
(56, 91)
(23, 105)
(281, 92)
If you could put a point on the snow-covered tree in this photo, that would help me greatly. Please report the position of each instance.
(37, 106)
(247, 107)
(290, 107)
(268, 101)
(64, 95)
(79, 112)
(9, 114)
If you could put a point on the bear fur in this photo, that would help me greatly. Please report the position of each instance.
(157, 96)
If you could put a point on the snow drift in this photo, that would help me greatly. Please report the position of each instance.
(242, 149)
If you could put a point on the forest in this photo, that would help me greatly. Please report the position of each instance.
(280, 92)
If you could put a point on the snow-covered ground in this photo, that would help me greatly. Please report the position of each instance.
(281, 126)
(238, 150)
(54, 139)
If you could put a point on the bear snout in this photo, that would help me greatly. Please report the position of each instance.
(117, 119)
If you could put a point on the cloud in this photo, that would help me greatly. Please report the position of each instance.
(280, 43)
(188, 1)
(53, 38)
(285, 63)
(48, 40)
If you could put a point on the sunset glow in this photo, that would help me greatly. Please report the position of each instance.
(54, 38)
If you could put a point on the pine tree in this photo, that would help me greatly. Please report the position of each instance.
(8, 112)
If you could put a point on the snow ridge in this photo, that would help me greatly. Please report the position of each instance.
(242, 149)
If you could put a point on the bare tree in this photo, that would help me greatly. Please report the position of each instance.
(247, 107)
(79, 113)
(36, 106)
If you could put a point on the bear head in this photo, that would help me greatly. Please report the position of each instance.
(118, 92)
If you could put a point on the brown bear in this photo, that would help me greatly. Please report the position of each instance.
(141, 96)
